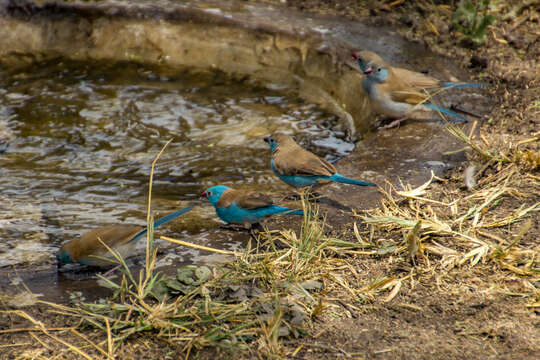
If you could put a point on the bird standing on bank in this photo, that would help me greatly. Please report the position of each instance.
(301, 168)
(401, 93)
(88, 250)
(243, 207)
(404, 80)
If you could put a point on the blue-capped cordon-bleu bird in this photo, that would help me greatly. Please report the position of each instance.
(88, 250)
(407, 80)
(401, 93)
(300, 168)
(243, 207)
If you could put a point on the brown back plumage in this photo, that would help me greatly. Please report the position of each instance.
(88, 243)
(291, 159)
(246, 199)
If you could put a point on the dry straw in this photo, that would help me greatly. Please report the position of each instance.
(300, 275)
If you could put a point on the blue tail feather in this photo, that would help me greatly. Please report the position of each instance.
(447, 112)
(454, 85)
(276, 209)
(172, 216)
(164, 220)
(345, 180)
(295, 212)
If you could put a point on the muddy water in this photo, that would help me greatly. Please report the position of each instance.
(79, 141)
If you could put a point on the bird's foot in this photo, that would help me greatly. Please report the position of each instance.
(313, 196)
(233, 227)
(308, 195)
(393, 124)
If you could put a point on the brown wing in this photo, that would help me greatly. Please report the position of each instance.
(246, 199)
(410, 97)
(399, 90)
(416, 80)
(112, 235)
(291, 159)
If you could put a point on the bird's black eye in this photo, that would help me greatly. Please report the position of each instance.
(378, 69)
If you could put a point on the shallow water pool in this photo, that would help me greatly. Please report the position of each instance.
(78, 140)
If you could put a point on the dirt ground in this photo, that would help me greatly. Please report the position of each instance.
(464, 318)
(462, 312)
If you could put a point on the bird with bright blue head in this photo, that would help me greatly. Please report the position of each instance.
(89, 250)
(243, 207)
(301, 168)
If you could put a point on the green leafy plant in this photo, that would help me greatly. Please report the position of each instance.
(471, 19)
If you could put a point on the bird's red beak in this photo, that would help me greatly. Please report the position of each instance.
(368, 71)
(267, 139)
(355, 56)
(204, 194)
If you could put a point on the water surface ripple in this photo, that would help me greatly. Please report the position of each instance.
(79, 140)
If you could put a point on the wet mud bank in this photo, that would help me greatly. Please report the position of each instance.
(308, 57)
(271, 44)
(236, 38)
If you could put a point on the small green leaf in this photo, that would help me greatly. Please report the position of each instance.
(160, 290)
(185, 274)
(203, 274)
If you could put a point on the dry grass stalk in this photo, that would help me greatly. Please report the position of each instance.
(436, 235)
(457, 228)
(39, 325)
(198, 318)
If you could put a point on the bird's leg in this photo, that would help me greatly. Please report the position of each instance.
(311, 195)
(292, 196)
(392, 124)
(110, 271)
(255, 229)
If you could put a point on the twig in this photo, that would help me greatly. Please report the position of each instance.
(13, 345)
(46, 332)
(518, 22)
(200, 247)
(206, 248)
(109, 340)
(466, 112)
(149, 209)
(46, 346)
(89, 341)
(32, 329)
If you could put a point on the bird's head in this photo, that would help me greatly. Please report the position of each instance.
(278, 139)
(272, 142)
(63, 257)
(214, 193)
(366, 59)
(377, 73)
